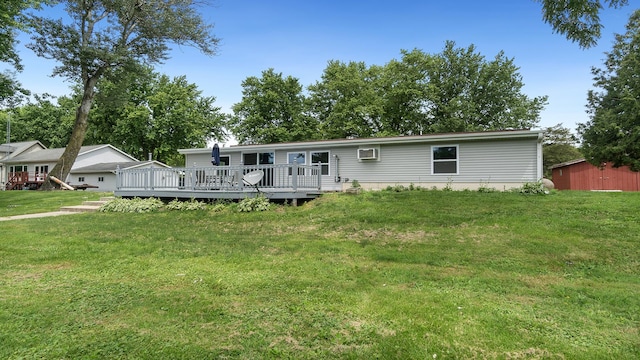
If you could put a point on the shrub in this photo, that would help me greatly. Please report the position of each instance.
(532, 188)
(484, 188)
(448, 187)
(135, 205)
(186, 205)
(258, 203)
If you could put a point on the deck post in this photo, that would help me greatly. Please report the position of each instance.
(118, 178)
(320, 175)
(192, 185)
(294, 175)
(151, 178)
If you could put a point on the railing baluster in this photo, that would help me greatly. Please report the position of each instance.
(221, 178)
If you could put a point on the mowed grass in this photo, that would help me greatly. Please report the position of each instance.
(32, 202)
(406, 275)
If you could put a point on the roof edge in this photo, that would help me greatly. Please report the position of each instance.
(486, 135)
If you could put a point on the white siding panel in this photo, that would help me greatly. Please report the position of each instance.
(507, 161)
(103, 155)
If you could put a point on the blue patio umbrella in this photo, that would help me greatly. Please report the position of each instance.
(215, 155)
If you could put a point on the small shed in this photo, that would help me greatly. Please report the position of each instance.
(581, 175)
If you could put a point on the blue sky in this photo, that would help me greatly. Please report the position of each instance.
(298, 38)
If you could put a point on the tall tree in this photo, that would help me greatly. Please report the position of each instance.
(146, 112)
(346, 102)
(613, 132)
(558, 146)
(456, 90)
(403, 87)
(11, 20)
(44, 120)
(578, 20)
(113, 34)
(271, 110)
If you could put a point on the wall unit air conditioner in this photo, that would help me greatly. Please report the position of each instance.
(367, 154)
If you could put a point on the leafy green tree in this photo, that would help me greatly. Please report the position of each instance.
(578, 20)
(454, 91)
(146, 112)
(103, 36)
(271, 110)
(467, 93)
(613, 132)
(12, 20)
(48, 122)
(11, 91)
(403, 87)
(558, 146)
(346, 102)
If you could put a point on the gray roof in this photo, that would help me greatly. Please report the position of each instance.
(50, 155)
(567, 163)
(319, 144)
(16, 148)
(111, 167)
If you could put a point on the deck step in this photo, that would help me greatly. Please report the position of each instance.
(87, 206)
(94, 202)
(80, 208)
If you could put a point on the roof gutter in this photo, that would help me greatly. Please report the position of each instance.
(498, 135)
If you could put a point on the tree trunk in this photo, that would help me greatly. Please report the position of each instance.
(64, 164)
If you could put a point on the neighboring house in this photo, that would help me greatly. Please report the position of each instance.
(12, 150)
(581, 175)
(498, 159)
(28, 165)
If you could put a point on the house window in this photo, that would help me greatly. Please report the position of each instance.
(322, 158)
(18, 168)
(81, 179)
(444, 160)
(297, 158)
(43, 169)
(265, 158)
(224, 160)
(100, 178)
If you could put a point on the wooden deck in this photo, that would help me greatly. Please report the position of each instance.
(23, 180)
(280, 182)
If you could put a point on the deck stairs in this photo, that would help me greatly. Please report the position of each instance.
(88, 206)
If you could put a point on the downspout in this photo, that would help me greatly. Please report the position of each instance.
(539, 156)
(336, 163)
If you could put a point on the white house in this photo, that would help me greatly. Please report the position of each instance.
(27, 164)
(499, 159)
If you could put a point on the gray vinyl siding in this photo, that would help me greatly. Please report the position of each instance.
(480, 162)
(505, 161)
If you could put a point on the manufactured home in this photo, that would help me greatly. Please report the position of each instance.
(498, 159)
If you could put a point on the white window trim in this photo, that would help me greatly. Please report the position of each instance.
(228, 157)
(257, 153)
(305, 160)
(298, 152)
(434, 161)
(328, 163)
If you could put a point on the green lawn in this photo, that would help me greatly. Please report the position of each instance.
(403, 275)
(32, 202)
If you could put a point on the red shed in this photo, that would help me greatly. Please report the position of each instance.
(580, 175)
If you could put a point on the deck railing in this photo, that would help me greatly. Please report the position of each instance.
(219, 178)
(19, 178)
